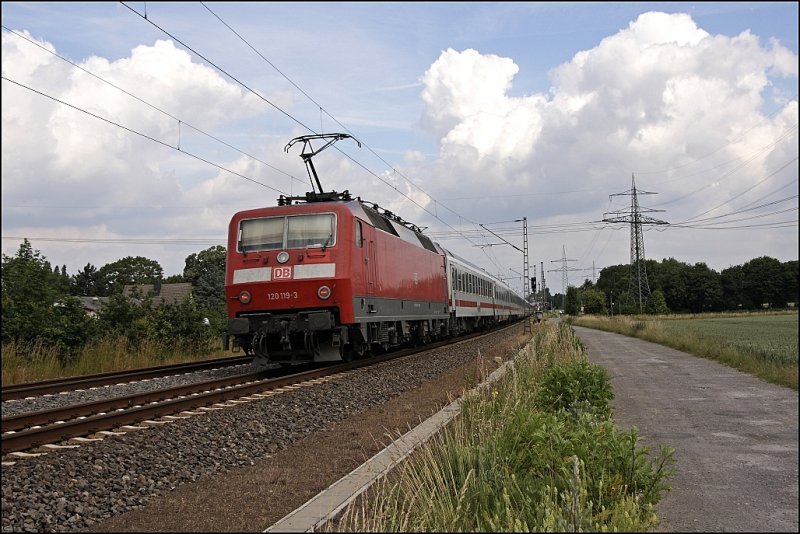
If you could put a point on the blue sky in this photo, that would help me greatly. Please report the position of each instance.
(470, 114)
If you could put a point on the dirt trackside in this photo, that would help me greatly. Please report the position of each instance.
(735, 435)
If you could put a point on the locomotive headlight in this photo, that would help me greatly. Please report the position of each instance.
(283, 256)
(244, 297)
(324, 292)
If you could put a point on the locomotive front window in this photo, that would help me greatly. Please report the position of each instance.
(261, 234)
(295, 231)
(311, 231)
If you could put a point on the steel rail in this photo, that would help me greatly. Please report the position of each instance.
(64, 430)
(66, 413)
(56, 385)
(60, 431)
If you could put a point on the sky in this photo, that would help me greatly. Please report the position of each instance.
(139, 129)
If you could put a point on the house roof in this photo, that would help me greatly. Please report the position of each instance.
(93, 304)
(166, 294)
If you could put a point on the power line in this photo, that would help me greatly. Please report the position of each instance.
(127, 240)
(144, 17)
(727, 174)
(770, 175)
(220, 167)
(152, 106)
(564, 270)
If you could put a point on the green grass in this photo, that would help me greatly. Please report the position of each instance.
(537, 451)
(769, 338)
(31, 362)
(764, 345)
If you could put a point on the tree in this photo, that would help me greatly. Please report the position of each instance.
(705, 289)
(70, 328)
(764, 281)
(30, 289)
(87, 282)
(734, 296)
(180, 325)
(657, 304)
(613, 278)
(671, 277)
(572, 306)
(121, 316)
(790, 276)
(594, 301)
(129, 271)
(625, 303)
(206, 272)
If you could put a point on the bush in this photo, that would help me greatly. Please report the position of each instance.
(535, 452)
(576, 387)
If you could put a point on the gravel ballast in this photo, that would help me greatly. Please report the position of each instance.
(81, 396)
(85, 487)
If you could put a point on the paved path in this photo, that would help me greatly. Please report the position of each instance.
(735, 435)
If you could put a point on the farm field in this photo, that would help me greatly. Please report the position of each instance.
(765, 345)
(770, 338)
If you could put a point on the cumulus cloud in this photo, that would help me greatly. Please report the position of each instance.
(467, 105)
(659, 95)
(108, 174)
(697, 117)
(661, 89)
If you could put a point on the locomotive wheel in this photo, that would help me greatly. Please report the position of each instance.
(355, 350)
(311, 343)
(347, 355)
(260, 345)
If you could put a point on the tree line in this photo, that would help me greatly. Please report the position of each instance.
(678, 287)
(40, 302)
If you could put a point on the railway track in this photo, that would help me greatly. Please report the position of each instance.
(35, 429)
(45, 387)
(31, 430)
(109, 477)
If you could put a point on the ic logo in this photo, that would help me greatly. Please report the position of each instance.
(281, 273)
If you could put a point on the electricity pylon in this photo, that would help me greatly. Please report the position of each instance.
(638, 279)
(564, 278)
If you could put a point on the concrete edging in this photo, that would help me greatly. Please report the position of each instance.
(331, 501)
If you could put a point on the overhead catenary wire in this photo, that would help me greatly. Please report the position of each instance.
(177, 146)
(326, 112)
(158, 141)
(554, 229)
(152, 106)
(308, 128)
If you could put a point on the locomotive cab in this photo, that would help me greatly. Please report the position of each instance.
(331, 278)
(327, 277)
(282, 284)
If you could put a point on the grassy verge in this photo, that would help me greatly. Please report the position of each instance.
(536, 452)
(758, 344)
(31, 362)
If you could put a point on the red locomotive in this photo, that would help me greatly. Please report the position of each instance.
(328, 277)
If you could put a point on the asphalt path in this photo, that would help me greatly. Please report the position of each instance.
(735, 435)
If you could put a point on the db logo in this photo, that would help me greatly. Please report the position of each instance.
(282, 273)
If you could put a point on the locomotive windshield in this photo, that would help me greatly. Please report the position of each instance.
(294, 231)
